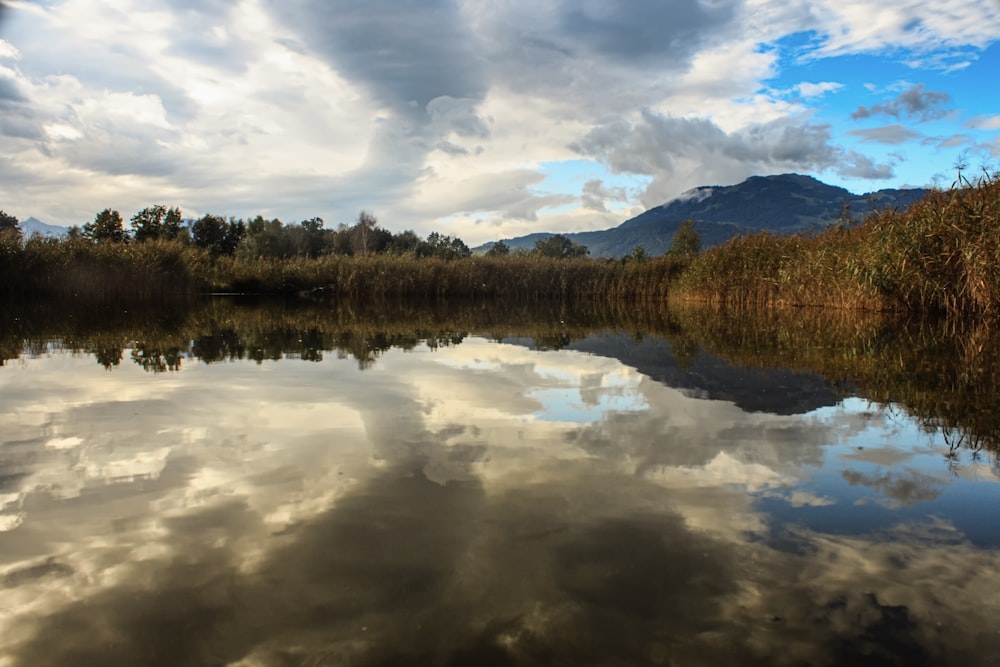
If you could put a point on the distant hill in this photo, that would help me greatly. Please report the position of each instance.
(785, 203)
(33, 226)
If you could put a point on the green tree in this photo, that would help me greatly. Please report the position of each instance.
(156, 222)
(405, 243)
(310, 237)
(445, 247)
(559, 247)
(264, 238)
(217, 235)
(686, 241)
(107, 227)
(9, 225)
(498, 249)
(339, 241)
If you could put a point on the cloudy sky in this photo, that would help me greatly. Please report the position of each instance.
(481, 120)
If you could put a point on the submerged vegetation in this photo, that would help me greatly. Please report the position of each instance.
(940, 255)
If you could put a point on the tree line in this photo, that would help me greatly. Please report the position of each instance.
(262, 238)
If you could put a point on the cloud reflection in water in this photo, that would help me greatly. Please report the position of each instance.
(477, 504)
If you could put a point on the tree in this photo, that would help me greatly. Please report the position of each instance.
(498, 249)
(339, 241)
(156, 222)
(405, 243)
(217, 235)
(367, 237)
(107, 227)
(264, 238)
(312, 237)
(9, 225)
(445, 247)
(638, 254)
(686, 241)
(559, 247)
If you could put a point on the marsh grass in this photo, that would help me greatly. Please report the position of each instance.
(164, 270)
(101, 273)
(941, 255)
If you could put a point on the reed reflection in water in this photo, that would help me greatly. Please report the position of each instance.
(461, 498)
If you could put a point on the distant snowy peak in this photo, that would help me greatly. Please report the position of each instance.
(33, 226)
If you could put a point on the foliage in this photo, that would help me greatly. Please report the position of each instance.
(444, 247)
(686, 241)
(559, 247)
(107, 227)
(156, 222)
(9, 225)
(366, 237)
(216, 235)
(498, 249)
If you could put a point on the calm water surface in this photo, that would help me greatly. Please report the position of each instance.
(484, 502)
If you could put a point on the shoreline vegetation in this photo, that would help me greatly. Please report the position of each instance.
(939, 256)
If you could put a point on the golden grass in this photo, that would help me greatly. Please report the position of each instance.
(941, 255)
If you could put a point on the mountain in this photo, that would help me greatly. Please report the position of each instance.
(785, 203)
(33, 226)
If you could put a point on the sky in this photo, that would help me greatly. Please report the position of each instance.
(481, 120)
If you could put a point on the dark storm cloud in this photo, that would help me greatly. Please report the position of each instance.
(915, 101)
(889, 134)
(405, 53)
(630, 31)
(598, 54)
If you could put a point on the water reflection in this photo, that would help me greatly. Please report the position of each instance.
(461, 498)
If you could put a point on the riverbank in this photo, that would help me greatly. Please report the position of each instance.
(940, 256)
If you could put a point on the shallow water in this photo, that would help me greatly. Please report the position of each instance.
(481, 501)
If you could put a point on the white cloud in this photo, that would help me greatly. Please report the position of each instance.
(807, 89)
(8, 50)
(858, 26)
(422, 113)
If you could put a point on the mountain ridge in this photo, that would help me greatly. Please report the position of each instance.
(782, 203)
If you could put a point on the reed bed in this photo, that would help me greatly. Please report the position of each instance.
(519, 277)
(155, 271)
(941, 255)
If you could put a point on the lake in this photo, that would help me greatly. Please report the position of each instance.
(270, 485)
